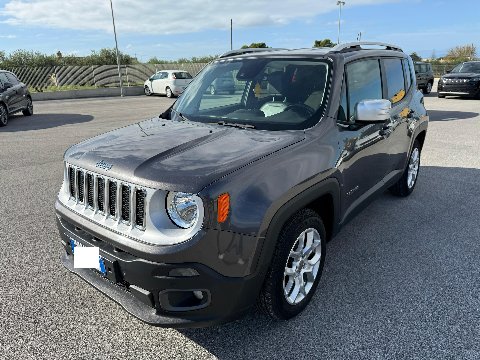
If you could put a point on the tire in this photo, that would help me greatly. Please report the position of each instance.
(3, 115)
(29, 109)
(213, 91)
(280, 297)
(428, 88)
(147, 91)
(169, 92)
(405, 185)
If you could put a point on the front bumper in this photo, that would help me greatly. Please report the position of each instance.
(460, 89)
(170, 294)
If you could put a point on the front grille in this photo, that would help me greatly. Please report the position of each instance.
(101, 194)
(71, 179)
(90, 190)
(140, 208)
(81, 186)
(125, 203)
(112, 198)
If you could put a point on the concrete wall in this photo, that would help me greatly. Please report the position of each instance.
(90, 93)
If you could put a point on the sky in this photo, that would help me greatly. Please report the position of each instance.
(185, 28)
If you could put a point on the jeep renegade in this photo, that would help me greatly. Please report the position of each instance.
(227, 201)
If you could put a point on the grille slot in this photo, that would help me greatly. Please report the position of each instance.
(71, 178)
(81, 186)
(122, 201)
(90, 190)
(101, 194)
(140, 196)
(125, 203)
(112, 197)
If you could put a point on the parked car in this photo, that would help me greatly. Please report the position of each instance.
(167, 82)
(463, 80)
(425, 78)
(14, 97)
(223, 84)
(223, 202)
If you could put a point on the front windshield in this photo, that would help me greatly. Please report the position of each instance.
(273, 94)
(473, 67)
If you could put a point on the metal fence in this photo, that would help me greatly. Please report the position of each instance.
(97, 76)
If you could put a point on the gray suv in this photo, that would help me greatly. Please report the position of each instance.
(425, 78)
(14, 97)
(224, 202)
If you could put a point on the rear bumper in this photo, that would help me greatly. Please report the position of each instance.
(161, 293)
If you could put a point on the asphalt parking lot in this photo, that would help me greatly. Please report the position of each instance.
(402, 280)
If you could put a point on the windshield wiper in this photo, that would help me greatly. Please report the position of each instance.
(240, 126)
(183, 117)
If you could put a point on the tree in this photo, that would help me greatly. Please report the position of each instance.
(323, 43)
(415, 57)
(462, 52)
(255, 45)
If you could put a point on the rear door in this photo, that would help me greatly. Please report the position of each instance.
(20, 91)
(9, 95)
(158, 83)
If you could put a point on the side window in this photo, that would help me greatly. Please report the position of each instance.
(12, 79)
(3, 79)
(395, 80)
(164, 75)
(407, 73)
(364, 82)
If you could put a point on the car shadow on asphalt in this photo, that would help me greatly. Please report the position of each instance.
(448, 115)
(43, 121)
(400, 275)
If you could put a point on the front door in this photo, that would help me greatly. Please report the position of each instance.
(364, 161)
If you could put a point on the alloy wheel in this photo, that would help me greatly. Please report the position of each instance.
(3, 116)
(302, 266)
(413, 167)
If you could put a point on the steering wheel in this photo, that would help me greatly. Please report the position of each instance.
(301, 108)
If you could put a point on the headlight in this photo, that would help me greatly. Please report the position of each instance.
(183, 209)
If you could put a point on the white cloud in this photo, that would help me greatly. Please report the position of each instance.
(8, 37)
(164, 17)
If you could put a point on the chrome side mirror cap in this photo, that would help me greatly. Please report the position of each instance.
(372, 111)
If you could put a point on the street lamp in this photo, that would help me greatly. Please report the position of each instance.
(340, 4)
(116, 47)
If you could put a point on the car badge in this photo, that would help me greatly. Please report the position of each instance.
(103, 165)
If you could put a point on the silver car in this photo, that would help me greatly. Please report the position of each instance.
(167, 82)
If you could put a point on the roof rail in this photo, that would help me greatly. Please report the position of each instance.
(247, 51)
(354, 46)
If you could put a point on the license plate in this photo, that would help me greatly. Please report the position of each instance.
(101, 262)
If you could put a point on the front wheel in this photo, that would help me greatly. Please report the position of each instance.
(3, 115)
(213, 91)
(428, 88)
(296, 266)
(147, 90)
(169, 92)
(407, 182)
(29, 109)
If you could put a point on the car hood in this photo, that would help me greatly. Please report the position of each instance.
(461, 76)
(176, 155)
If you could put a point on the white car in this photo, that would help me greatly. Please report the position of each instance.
(167, 82)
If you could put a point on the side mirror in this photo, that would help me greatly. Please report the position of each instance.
(448, 71)
(373, 111)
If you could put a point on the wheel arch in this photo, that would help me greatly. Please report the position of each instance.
(323, 198)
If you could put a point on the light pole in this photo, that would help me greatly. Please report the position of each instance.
(116, 47)
(340, 4)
